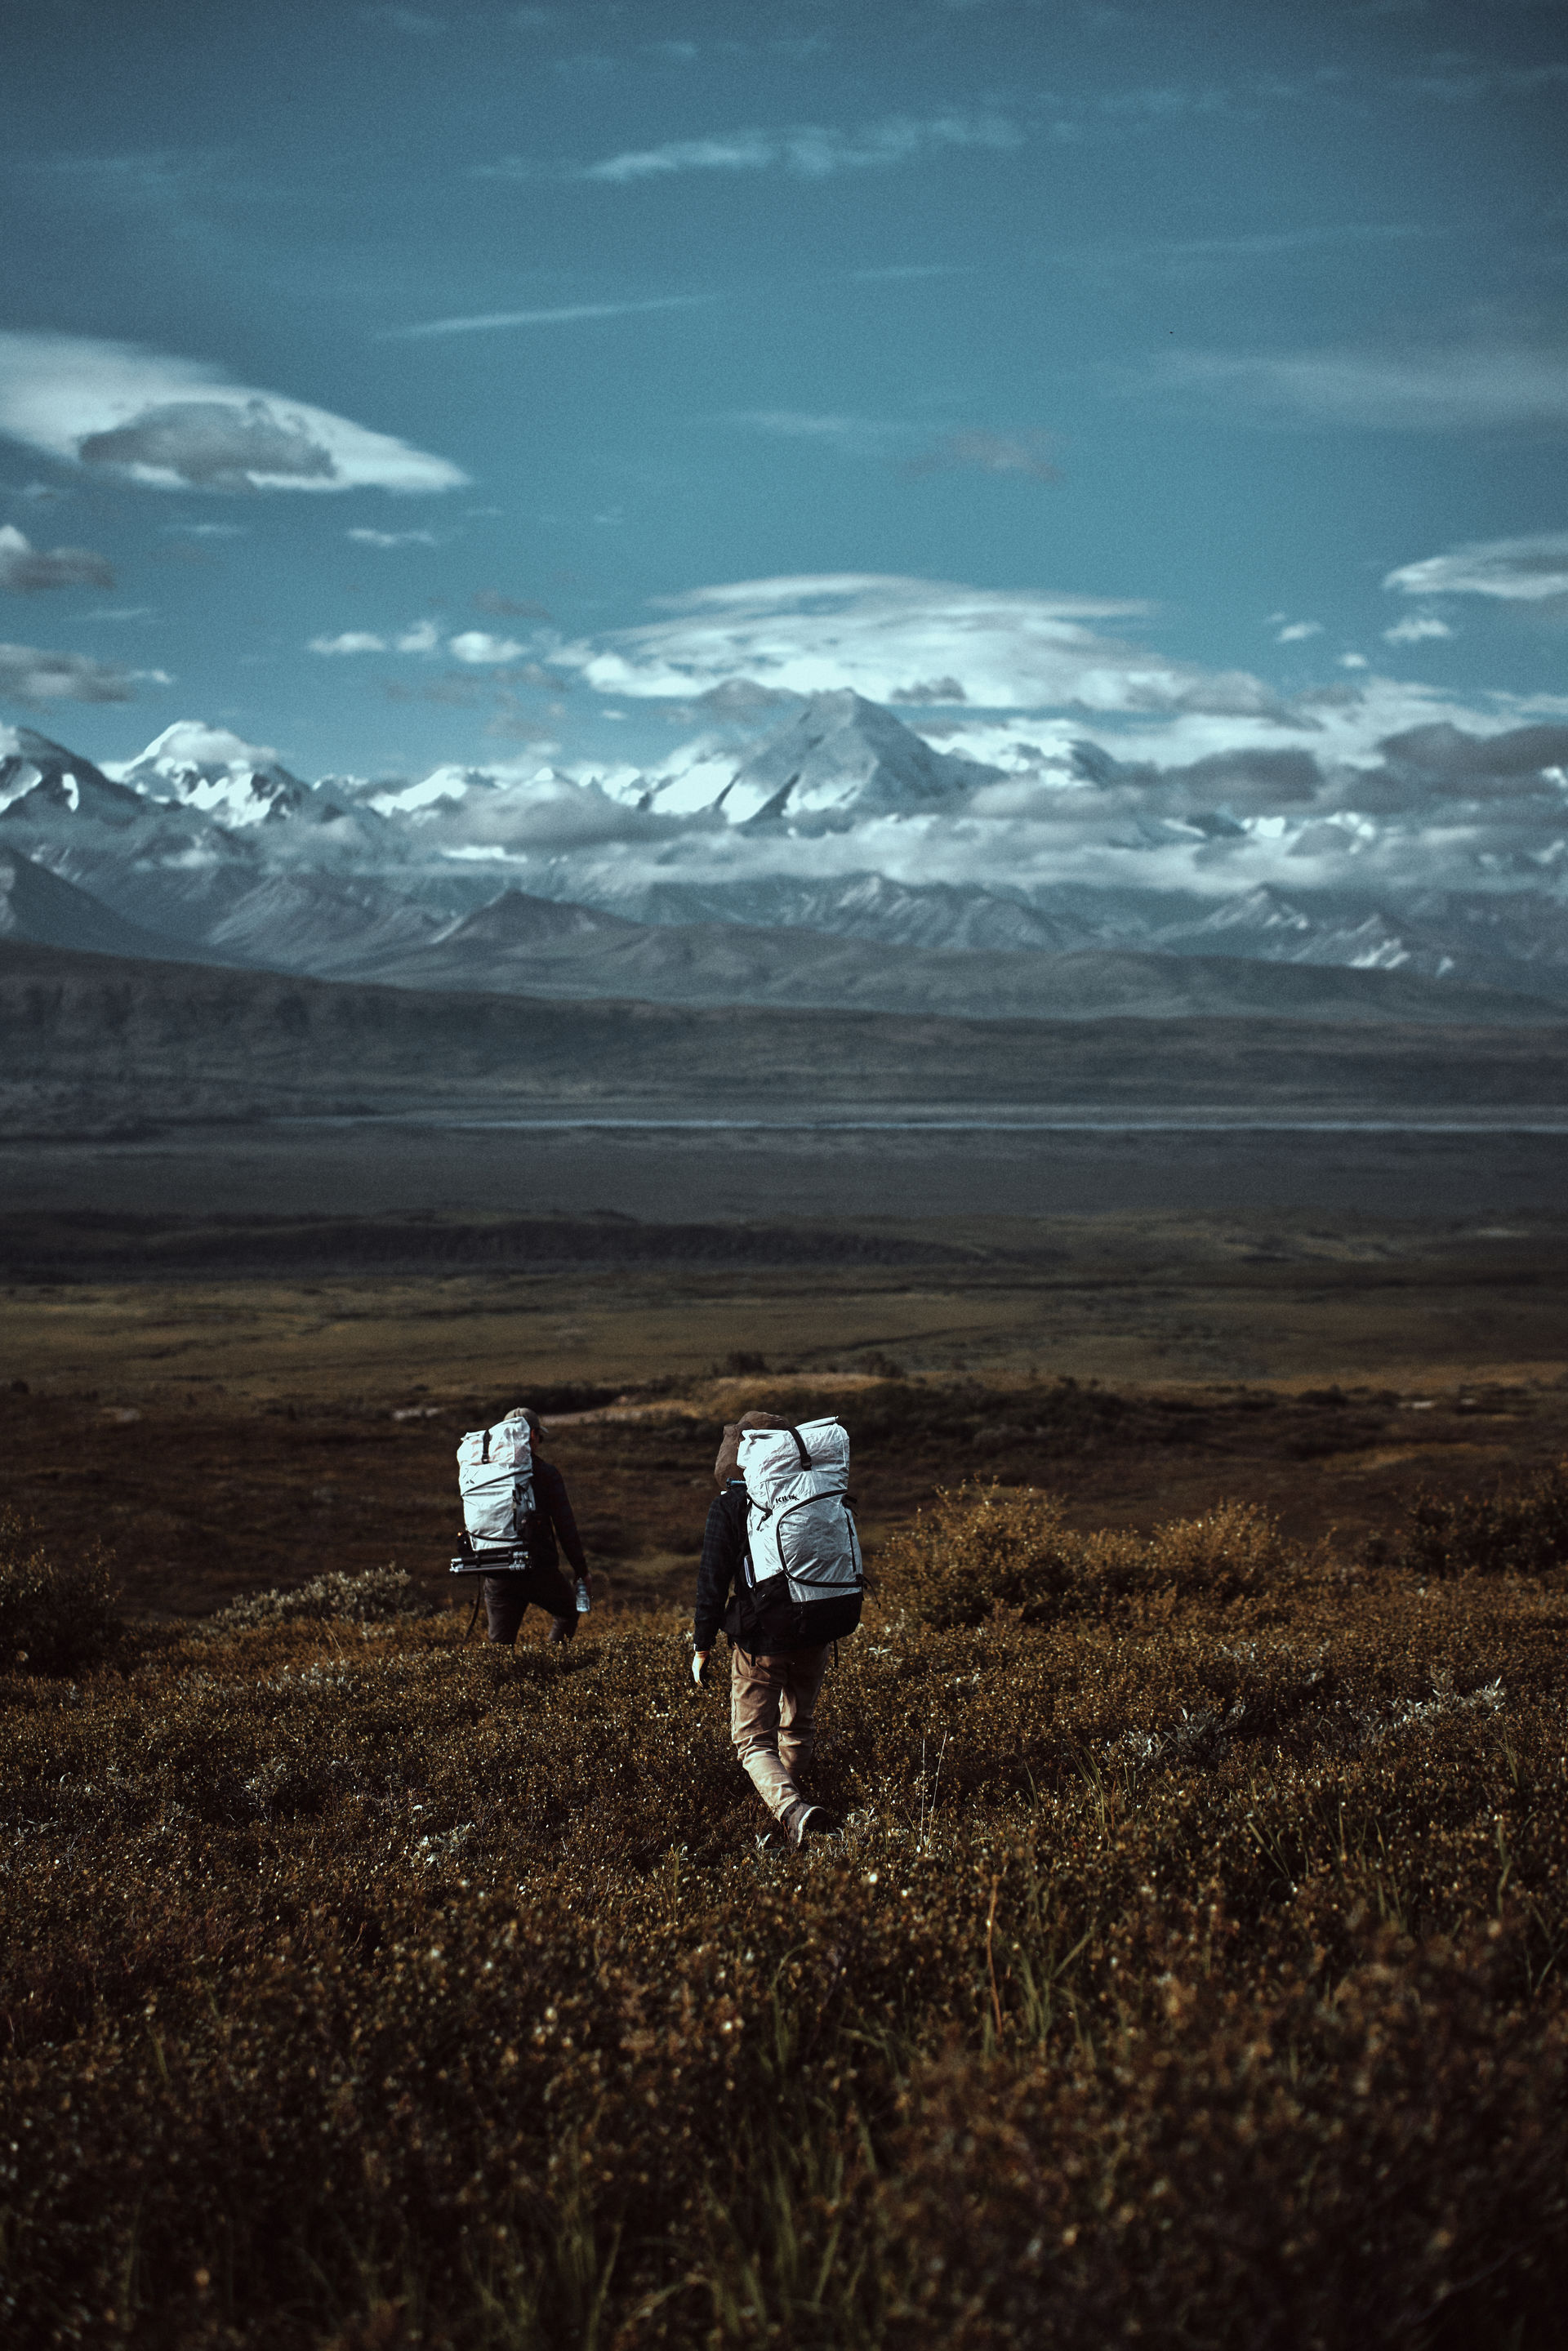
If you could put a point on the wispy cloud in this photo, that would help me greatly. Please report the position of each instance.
(1295, 633)
(1416, 630)
(1464, 79)
(1479, 387)
(1268, 244)
(485, 322)
(28, 568)
(862, 436)
(905, 272)
(30, 676)
(392, 538)
(808, 151)
(179, 425)
(1532, 571)
(351, 641)
(1026, 454)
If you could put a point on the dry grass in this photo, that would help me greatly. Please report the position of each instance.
(1190, 1971)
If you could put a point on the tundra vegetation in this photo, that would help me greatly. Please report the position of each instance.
(1190, 1973)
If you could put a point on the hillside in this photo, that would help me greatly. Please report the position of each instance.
(539, 947)
(92, 1042)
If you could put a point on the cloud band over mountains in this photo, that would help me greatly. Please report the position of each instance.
(885, 636)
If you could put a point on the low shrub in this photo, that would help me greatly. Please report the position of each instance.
(977, 1552)
(1514, 1530)
(1178, 1983)
(378, 1596)
(57, 1616)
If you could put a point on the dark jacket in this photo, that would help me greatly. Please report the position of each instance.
(759, 1618)
(552, 1517)
(723, 1554)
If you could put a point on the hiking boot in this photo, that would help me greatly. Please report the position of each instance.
(816, 1821)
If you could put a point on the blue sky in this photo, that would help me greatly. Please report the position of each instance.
(416, 375)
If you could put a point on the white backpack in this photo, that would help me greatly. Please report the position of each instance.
(496, 1480)
(799, 1523)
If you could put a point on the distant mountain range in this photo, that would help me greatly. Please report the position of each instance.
(99, 1045)
(719, 879)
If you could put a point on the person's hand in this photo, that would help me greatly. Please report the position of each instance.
(699, 1666)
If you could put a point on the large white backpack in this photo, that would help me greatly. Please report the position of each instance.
(799, 1526)
(496, 1480)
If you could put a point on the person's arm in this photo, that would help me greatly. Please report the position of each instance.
(550, 1496)
(722, 1544)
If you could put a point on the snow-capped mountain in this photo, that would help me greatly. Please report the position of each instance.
(206, 768)
(840, 821)
(840, 760)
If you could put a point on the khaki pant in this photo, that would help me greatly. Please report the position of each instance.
(772, 1712)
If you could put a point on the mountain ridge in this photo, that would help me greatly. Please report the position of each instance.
(216, 846)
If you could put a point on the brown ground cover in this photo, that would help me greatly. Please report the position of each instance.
(1189, 1972)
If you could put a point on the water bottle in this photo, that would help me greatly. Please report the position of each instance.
(584, 1603)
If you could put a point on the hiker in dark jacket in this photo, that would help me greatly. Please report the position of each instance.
(772, 1700)
(506, 1597)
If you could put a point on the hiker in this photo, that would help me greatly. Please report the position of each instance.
(781, 1537)
(507, 1596)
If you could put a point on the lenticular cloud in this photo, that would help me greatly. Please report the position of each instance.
(177, 424)
(889, 639)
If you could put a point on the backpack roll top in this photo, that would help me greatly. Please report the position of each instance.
(802, 1549)
(495, 1480)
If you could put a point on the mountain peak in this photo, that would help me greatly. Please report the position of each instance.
(843, 757)
(207, 768)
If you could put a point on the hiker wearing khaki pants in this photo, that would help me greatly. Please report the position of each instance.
(772, 1703)
(778, 1650)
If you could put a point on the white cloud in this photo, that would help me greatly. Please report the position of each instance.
(483, 320)
(1028, 453)
(808, 151)
(1533, 570)
(1002, 649)
(1480, 387)
(1353, 661)
(848, 432)
(1416, 629)
(28, 675)
(28, 568)
(478, 647)
(176, 423)
(1295, 633)
(192, 743)
(393, 537)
